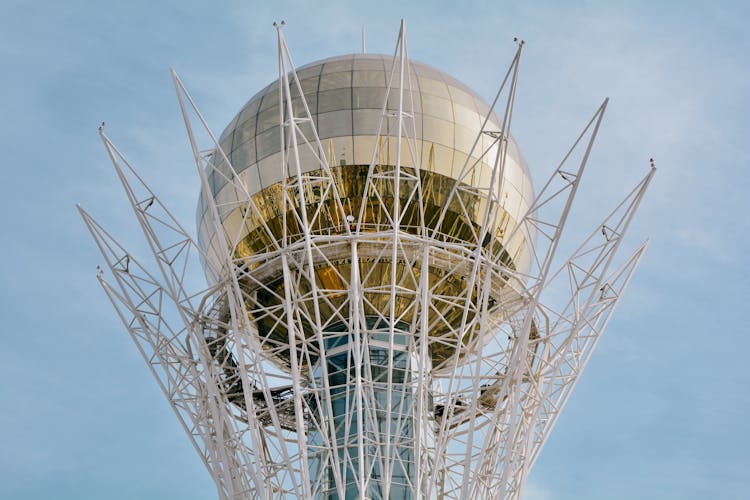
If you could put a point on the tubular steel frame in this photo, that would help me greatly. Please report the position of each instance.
(479, 423)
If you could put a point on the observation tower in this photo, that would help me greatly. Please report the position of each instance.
(375, 323)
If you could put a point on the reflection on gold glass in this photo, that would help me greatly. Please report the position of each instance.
(332, 273)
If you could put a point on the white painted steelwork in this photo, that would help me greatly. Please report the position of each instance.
(366, 334)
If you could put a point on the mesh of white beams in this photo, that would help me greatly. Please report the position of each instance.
(258, 428)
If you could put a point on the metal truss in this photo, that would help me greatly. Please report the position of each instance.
(341, 395)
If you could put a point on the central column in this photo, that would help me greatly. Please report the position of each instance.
(376, 419)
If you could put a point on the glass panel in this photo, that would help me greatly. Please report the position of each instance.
(409, 157)
(450, 81)
(222, 176)
(363, 147)
(439, 131)
(366, 122)
(443, 160)
(527, 189)
(433, 87)
(249, 111)
(342, 149)
(229, 130)
(226, 145)
(437, 158)
(308, 159)
(269, 170)
(292, 88)
(339, 65)
(461, 97)
(466, 117)
(212, 180)
(428, 156)
(514, 152)
(243, 155)
(251, 178)
(336, 80)
(268, 142)
(369, 78)
(483, 108)
(368, 97)
(459, 161)
(412, 129)
(309, 71)
(227, 194)
(513, 202)
(309, 86)
(335, 124)
(369, 62)
(202, 229)
(465, 138)
(437, 107)
(333, 100)
(514, 175)
(417, 92)
(417, 125)
(199, 213)
(305, 128)
(270, 96)
(244, 132)
(428, 71)
(268, 119)
(312, 103)
(231, 220)
(408, 100)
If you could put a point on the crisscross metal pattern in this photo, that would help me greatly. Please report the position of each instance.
(388, 328)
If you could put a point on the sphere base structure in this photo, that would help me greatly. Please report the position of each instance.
(397, 328)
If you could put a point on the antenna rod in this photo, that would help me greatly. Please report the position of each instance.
(363, 40)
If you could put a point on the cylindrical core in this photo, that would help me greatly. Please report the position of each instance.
(387, 379)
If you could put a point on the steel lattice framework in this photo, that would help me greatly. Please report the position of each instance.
(358, 408)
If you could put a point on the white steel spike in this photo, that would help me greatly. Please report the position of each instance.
(234, 295)
(144, 297)
(293, 151)
(578, 358)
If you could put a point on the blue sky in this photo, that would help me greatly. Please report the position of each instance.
(661, 411)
